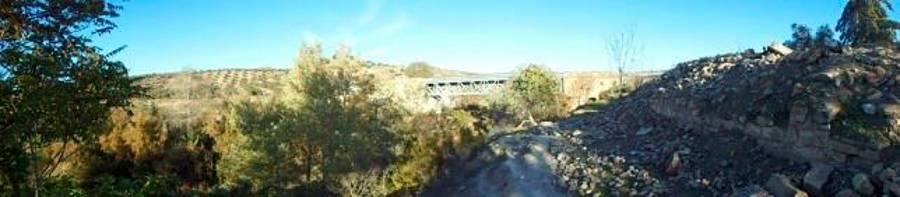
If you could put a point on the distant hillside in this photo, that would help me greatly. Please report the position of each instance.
(222, 82)
(424, 70)
(211, 83)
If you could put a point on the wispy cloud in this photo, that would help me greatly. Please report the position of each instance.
(399, 23)
(373, 8)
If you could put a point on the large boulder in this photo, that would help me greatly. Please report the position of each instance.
(780, 49)
(847, 193)
(751, 191)
(782, 186)
(817, 177)
(862, 184)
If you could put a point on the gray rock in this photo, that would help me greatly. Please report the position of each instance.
(877, 168)
(863, 185)
(645, 131)
(816, 177)
(764, 121)
(887, 175)
(576, 133)
(894, 188)
(781, 186)
(547, 124)
(846, 193)
(868, 108)
(751, 191)
(779, 48)
(674, 165)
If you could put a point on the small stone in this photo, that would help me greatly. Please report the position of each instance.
(547, 124)
(887, 175)
(562, 156)
(894, 188)
(817, 177)
(577, 133)
(862, 184)
(781, 185)
(875, 95)
(891, 109)
(674, 165)
(751, 191)
(764, 121)
(877, 168)
(644, 131)
(868, 108)
(846, 193)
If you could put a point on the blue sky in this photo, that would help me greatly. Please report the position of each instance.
(469, 35)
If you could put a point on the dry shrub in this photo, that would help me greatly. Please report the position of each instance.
(432, 140)
(135, 134)
(142, 143)
(374, 182)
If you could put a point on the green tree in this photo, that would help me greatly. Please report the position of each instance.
(866, 22)
(55, 85)
(536, 91)
(349, 121)
(824, 37)
(801, 38)
(329, 123)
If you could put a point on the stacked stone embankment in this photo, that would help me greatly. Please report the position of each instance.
(829, 105)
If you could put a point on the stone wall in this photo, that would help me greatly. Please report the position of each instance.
(795, 142)
(813, 105)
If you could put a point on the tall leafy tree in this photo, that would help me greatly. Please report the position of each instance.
(866, 22)
(55, 86)
(348, 120)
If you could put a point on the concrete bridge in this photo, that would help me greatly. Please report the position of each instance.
(448, 87)
(578, 87)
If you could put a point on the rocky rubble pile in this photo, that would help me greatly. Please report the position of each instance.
(881, 180)
(729, 125)
(588, 173)
(817, 105)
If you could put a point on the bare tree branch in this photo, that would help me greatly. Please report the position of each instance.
(624, 51)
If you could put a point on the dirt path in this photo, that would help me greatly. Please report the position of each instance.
(511, 165)
(618, 150)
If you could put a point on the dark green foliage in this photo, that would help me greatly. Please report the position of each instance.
(866, 22)
(824, 38)
(801, 38)
(55, 86)
(345, 115)
(329, 123)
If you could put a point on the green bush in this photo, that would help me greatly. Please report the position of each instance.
(536, 90)
(328, 124)
(430, 140)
